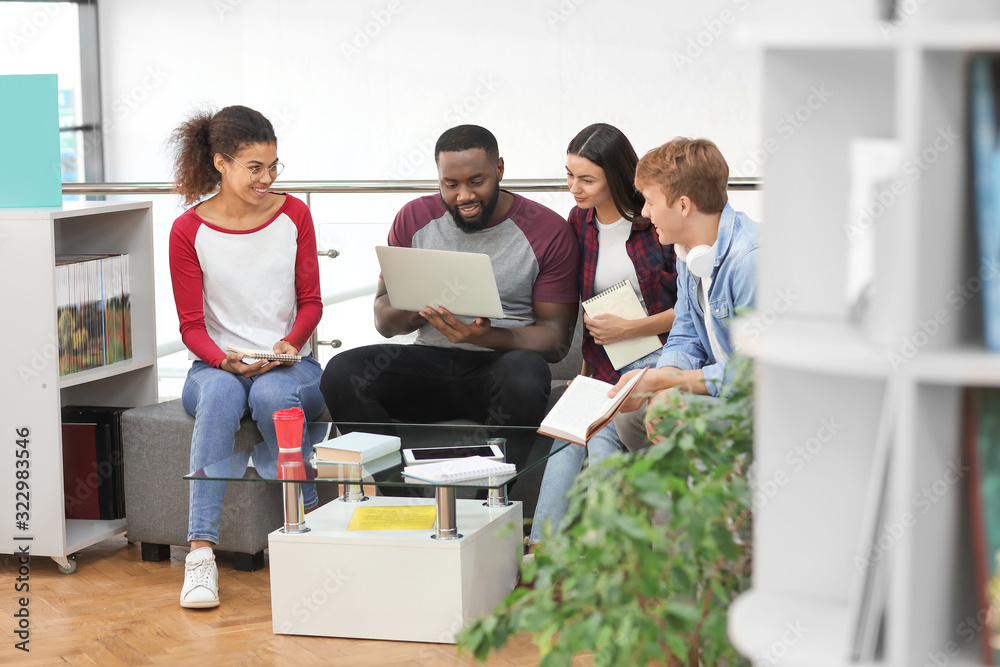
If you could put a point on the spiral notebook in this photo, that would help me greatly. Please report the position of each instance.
(620, 300)
(263, 354)
(457, 470)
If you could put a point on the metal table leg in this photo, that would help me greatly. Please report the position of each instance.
(295, 513)
(353, 493)
(446, 526)
(497, 497)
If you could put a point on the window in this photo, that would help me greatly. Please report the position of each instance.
(61, 38)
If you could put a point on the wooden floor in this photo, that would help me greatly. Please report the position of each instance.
(118, 610)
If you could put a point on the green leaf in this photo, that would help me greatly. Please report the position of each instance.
(631, 585)
(678, 645)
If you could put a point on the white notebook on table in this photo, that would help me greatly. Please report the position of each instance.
(457, 470)
(620, 300)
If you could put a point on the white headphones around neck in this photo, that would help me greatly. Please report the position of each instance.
(700, 259)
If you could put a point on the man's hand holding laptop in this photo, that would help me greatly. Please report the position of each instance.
(476, 332)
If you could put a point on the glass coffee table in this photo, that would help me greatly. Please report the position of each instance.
(517, 442)
(408, 585)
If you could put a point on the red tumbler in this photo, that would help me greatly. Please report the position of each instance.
(288, 424)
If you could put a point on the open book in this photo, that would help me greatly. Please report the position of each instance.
(620, 300)
(263, 354)
(585, 409)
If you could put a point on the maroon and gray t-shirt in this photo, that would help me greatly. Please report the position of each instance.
(534, 253)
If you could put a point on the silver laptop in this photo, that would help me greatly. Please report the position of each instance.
(462, 282)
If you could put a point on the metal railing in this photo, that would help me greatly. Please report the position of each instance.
(308, 188)
(736, 183)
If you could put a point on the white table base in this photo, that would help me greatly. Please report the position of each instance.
(392, 584)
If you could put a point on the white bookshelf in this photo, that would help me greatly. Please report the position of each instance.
(813, 365)
(31, 390)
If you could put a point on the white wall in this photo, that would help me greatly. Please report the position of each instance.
(351, 105)
(534, 72)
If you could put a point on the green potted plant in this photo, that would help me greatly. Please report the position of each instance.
(658, 548)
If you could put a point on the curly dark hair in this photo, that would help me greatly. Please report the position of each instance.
(196, 141)
(467, 137)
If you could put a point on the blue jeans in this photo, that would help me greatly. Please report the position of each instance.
(218, 400)
(563, 467)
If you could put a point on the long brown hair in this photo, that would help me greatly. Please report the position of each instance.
(196, 141)
(607, 147)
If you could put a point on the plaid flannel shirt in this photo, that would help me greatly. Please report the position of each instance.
(654, 265)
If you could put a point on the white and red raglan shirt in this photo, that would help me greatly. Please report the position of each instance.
(248, 288)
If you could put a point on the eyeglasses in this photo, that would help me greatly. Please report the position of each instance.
(257, 171)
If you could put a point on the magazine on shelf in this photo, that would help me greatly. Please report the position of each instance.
(981, 436)
(986, 182)
(93, 317)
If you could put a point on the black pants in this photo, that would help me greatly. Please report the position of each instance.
(419, 384)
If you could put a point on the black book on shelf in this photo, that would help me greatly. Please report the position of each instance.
(79, 458)
(106, 470)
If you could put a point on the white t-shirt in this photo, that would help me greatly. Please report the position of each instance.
(613, 263)
(704, 285)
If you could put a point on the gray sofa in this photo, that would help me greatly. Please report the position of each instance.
(157, 445)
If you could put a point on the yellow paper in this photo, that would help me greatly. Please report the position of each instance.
(393, 517)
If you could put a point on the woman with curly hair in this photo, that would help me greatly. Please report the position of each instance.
(244, 270)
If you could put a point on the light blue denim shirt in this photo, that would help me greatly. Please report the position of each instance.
(734, 278)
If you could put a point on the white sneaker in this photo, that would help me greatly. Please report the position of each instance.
(201, 580)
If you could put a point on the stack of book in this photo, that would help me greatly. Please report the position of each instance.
(93, 476)
(93, 311)
(356, 456)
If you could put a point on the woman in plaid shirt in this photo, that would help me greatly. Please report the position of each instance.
(616, 243)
